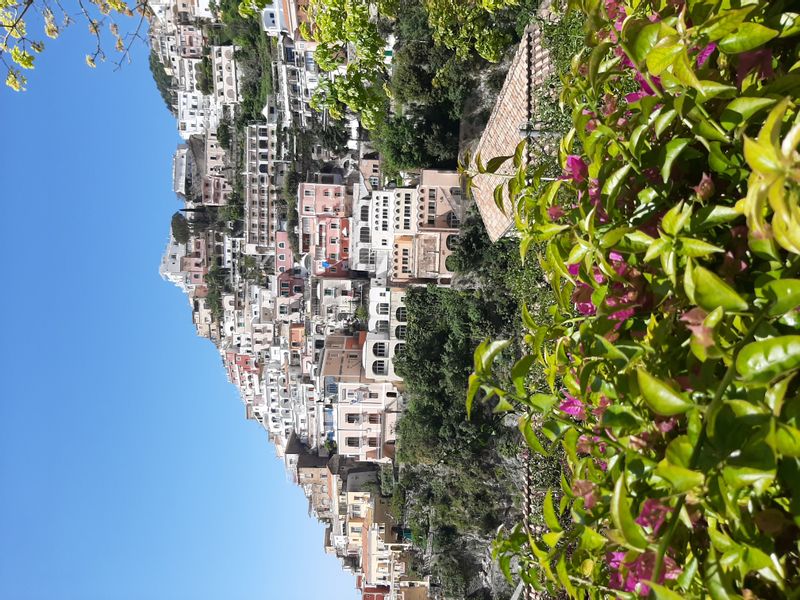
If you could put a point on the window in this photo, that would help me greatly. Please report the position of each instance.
(374, 395)
(352, 417)
(380, 349)
(372, 442)
(398, 350)
(365, 213)
(379, 367)
(374, 419)
(400, 332)
(352, 442)
(281, 244)
(401, 313)
(382, 326)
(281, 257)
(334, 225)
(363, 235)
(383, 308)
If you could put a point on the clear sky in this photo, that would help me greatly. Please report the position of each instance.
(127, 468)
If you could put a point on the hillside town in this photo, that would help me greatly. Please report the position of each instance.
(307, 310)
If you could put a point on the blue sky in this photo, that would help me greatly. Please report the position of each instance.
(127, 468)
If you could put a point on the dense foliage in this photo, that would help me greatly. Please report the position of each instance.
(671, 244)
(457, 476)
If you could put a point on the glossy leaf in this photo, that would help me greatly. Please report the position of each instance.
(767, 359)
(661, 397)
(783, 295)
(746, 37)
(711, 292)
(623, 520)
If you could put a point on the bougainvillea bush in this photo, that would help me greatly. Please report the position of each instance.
(672, 243)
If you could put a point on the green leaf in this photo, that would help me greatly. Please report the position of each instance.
(766, 359)
(623, 520)
(695, 248)
(713, 89)
(660, 397)
(711, 292)
(663, 55)
(530, 436)
(748, 36)
(549, 513)
(673, 150)
(656, 248)
(664, 120)
(551, 538)
(676, 218)
(680, 479)
(682, 69)
(519, 373)
(502, 406)
(645, 39)
(613, 183)
(761, 157)
(563, 576)
(474, 386)
(495, 163)
(724, 23)
(783, 294)
(662, 593)
(785, 440)
(741, 109)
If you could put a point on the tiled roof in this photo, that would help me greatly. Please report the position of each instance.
(505, 128)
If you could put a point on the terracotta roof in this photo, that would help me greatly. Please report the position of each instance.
(503, 131)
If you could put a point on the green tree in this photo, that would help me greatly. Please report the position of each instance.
(487, 27)
(180, 228)
(349, 40)
(19, 47)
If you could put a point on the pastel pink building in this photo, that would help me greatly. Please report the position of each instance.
(324, 215)
(284, 257)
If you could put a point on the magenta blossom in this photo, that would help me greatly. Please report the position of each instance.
(555, 212)
(630, 576)
(755, 60)
(573, 407)
(576, 169)
(705, 189)
(653, 514)
(705, 53)
(586, 490)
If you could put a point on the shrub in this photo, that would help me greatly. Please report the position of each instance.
(671, 243)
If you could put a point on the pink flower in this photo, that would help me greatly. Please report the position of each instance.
(582, 298)
(576, 169)
(653, 514)
(600, 409)
(705, 53)
(573, 407)
(555, 212)
(586, 490)
(694, 322)
(704, 189)
(630, 576)
(760, 60)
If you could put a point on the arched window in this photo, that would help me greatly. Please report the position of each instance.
(398, 350)
(379, 368)
(401, 314)
(383, 308)
(382, 326)
(450, 242)
(400, 332)
(381, 349)
(363, 234)
(365, 213)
